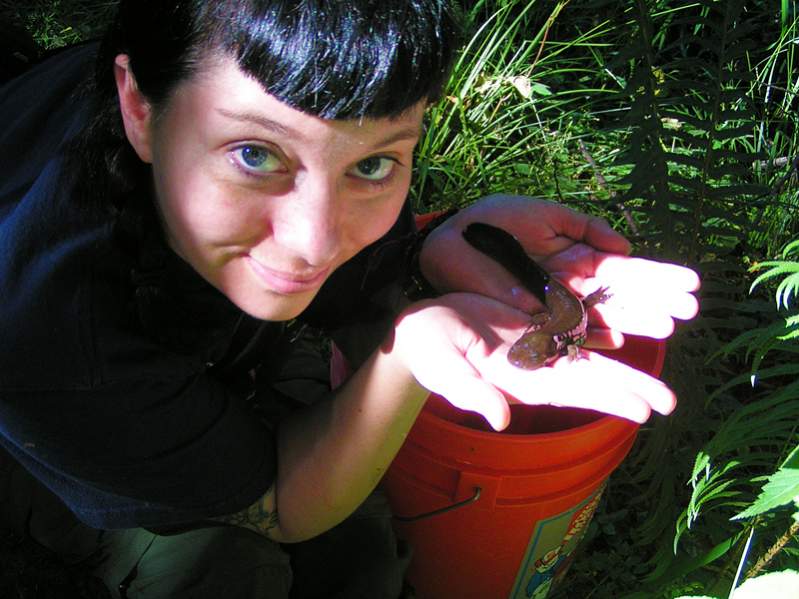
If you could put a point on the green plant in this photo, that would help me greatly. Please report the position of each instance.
(510, 118)
(751, 446)
(692, 180)
(56, 23)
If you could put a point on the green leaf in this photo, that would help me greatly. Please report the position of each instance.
(685, 564)
(782, 488)
(776, 268)
(540, 89)
(791, 248)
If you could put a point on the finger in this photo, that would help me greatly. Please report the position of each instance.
(603, 338)
(644, 311)
(620, 381)
(578, 260)
(644, 295)
(475, 272)
(633, 312)
(460, 384)
(649, 295)
(499, 284)
(571, 226)
(473, 394)
(644, 306)
(600, 235)
(682, 306)
(637, 319)
(622, 270)
(592, 382)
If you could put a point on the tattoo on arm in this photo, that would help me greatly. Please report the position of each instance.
(260, 517)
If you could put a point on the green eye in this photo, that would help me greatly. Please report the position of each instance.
(376, 168)
(257, 158)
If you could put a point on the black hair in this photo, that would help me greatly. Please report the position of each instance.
(329, 58)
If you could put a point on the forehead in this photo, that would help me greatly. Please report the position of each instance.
(220, 89)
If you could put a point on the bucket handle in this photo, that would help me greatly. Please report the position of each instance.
(441, 510)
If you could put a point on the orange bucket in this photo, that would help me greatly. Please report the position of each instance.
(497, 515)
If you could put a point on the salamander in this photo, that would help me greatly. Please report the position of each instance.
(558, 331)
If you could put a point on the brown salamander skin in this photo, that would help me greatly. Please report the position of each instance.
(558, 331)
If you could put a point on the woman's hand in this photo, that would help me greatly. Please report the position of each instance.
(581, 251)
(457, 345)
(645, 296)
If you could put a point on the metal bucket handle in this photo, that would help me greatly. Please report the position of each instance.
(442, 510)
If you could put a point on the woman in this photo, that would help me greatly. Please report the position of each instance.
(233, 171)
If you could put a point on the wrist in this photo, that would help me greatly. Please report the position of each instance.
(416, 285)
(416, 340)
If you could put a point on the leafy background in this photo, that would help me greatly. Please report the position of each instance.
(676, 121)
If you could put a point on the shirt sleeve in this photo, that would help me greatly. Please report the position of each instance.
(142, 453)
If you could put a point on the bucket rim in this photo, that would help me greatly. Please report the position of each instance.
(602, 422)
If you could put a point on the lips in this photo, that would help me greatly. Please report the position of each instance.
(287, 283)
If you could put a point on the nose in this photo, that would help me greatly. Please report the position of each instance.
(309, 226)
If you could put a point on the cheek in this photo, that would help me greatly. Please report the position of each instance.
(371, 222)
(197, 204)
(379, 214)
(199, 211)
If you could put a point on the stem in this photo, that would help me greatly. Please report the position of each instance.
(773, 551)
(604, 185)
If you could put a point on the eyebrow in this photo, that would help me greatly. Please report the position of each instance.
(280, 129)
(401, 135)
(266, 123)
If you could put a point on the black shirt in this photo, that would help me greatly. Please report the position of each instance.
(128, 388)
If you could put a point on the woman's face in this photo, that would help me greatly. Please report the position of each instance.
(264, 201)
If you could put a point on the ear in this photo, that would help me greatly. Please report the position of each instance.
(135, 109)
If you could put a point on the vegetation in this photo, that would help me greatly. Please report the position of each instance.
(676, 121)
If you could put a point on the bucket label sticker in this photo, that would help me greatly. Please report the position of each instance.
(548, 555)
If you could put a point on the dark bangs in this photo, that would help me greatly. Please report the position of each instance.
(336, 59)
(341, 60)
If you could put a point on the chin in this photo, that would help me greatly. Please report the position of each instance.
(277, 309)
